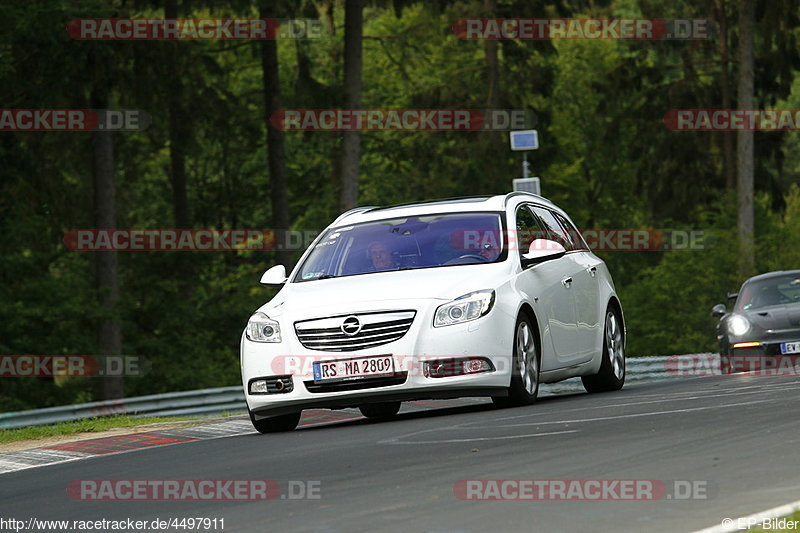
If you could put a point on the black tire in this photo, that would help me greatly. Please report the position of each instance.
(524, 387)
(381, 410)
(611, 376)
(275, 424)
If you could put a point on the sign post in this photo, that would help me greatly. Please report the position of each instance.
(523, 141)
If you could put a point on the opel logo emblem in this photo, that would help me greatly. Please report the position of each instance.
(351, 326)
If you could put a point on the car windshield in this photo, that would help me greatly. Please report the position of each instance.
(771, 291)
(405, 243)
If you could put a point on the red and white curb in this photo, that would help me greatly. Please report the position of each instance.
(84, 449)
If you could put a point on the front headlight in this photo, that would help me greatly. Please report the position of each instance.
(261, 328)
(464, 308)
(738, 325)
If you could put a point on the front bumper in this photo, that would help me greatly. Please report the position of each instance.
(489, 337)
(760, 353)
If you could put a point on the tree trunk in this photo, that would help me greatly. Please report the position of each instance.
(109, 334)
(351, 140)
(276, 156)
(728, 159)
(494, 141)
(745, 142)
(178, 126)
(492, 64)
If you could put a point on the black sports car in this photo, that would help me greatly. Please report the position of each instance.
(763, 330)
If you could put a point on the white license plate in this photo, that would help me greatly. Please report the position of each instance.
(790, 347)
(360, 367)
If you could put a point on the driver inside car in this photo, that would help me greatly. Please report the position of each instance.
(381, 256)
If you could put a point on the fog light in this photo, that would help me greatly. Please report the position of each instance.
(258, 387)
(472, 366)
(441, 368)
(435, 369)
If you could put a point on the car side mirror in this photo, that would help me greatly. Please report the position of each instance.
(719, 310)
(733, 295)
(274, 276)
(542, 250)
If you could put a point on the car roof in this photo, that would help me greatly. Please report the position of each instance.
(447, 205)
(774, 274)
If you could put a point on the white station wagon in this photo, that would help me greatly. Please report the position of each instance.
(485, 296)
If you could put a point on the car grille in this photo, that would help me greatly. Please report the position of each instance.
(326, 334)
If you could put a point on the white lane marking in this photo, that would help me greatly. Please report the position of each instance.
(612, 406)
(574, 421)
(767, 385)
(476, 439)
(634, 415)
(728, 525)
(465, 427)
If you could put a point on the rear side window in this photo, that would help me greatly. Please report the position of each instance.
(572, 232)
(553, 229)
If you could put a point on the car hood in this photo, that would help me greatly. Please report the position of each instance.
(776, 316)
(374, 291)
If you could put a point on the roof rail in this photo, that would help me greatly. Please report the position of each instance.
(353, 211)
(523, 193)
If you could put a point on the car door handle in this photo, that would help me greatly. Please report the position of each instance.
(591, 270)
(566, 282)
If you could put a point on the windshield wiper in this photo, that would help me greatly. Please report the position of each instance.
(327, 276)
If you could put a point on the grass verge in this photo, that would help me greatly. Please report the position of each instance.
(89, 425)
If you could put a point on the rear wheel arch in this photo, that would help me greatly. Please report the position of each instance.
(611, 374)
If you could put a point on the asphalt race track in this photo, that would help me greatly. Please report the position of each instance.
(735, 439)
